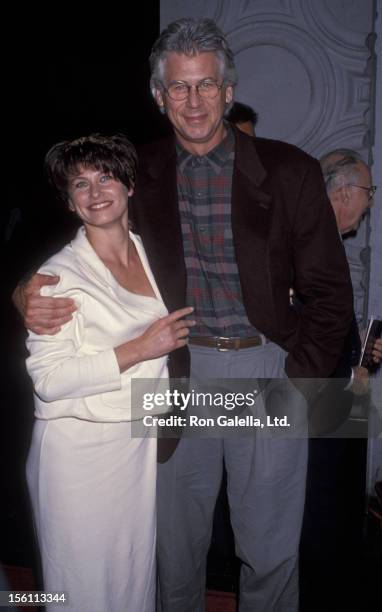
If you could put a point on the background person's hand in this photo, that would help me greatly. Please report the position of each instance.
(42, 315)
(377, 350)
(361, 381)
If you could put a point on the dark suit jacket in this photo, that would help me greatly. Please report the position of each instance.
(284, 234)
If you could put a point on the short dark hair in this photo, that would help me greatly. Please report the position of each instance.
(113, 154)
(241, 113)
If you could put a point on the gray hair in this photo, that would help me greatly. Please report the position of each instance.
(191, 36)
(338, 165)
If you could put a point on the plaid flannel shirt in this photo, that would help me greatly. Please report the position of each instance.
(213, 286)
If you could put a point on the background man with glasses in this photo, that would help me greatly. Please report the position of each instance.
(332, 531)
(229, 223)
(348, 182)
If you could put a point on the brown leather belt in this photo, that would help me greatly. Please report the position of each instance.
(221, 343)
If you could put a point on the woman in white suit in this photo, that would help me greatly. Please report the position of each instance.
(91, 483)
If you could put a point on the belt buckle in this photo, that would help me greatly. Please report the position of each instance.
(219, 339)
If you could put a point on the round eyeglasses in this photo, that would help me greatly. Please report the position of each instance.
(205, 89)
(372, 189)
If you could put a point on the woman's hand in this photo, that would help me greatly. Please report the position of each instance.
(162, 337)
(166, 334)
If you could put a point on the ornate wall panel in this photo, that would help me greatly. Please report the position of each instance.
(375, 297)
(375, 302)
(306, 66)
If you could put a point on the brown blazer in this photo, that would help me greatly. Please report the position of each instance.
(285, 235)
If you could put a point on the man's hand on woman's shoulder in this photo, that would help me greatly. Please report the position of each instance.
(41, 314)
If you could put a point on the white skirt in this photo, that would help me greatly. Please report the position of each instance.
(93, 495)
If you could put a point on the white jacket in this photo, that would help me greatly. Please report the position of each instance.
(75, 372)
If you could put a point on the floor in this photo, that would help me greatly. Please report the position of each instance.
(22, 579)
(223, 570)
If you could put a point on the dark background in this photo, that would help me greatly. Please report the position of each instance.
(63, 77)
(61, 83)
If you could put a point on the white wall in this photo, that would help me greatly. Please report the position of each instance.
(375, 294)
(306, 67)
